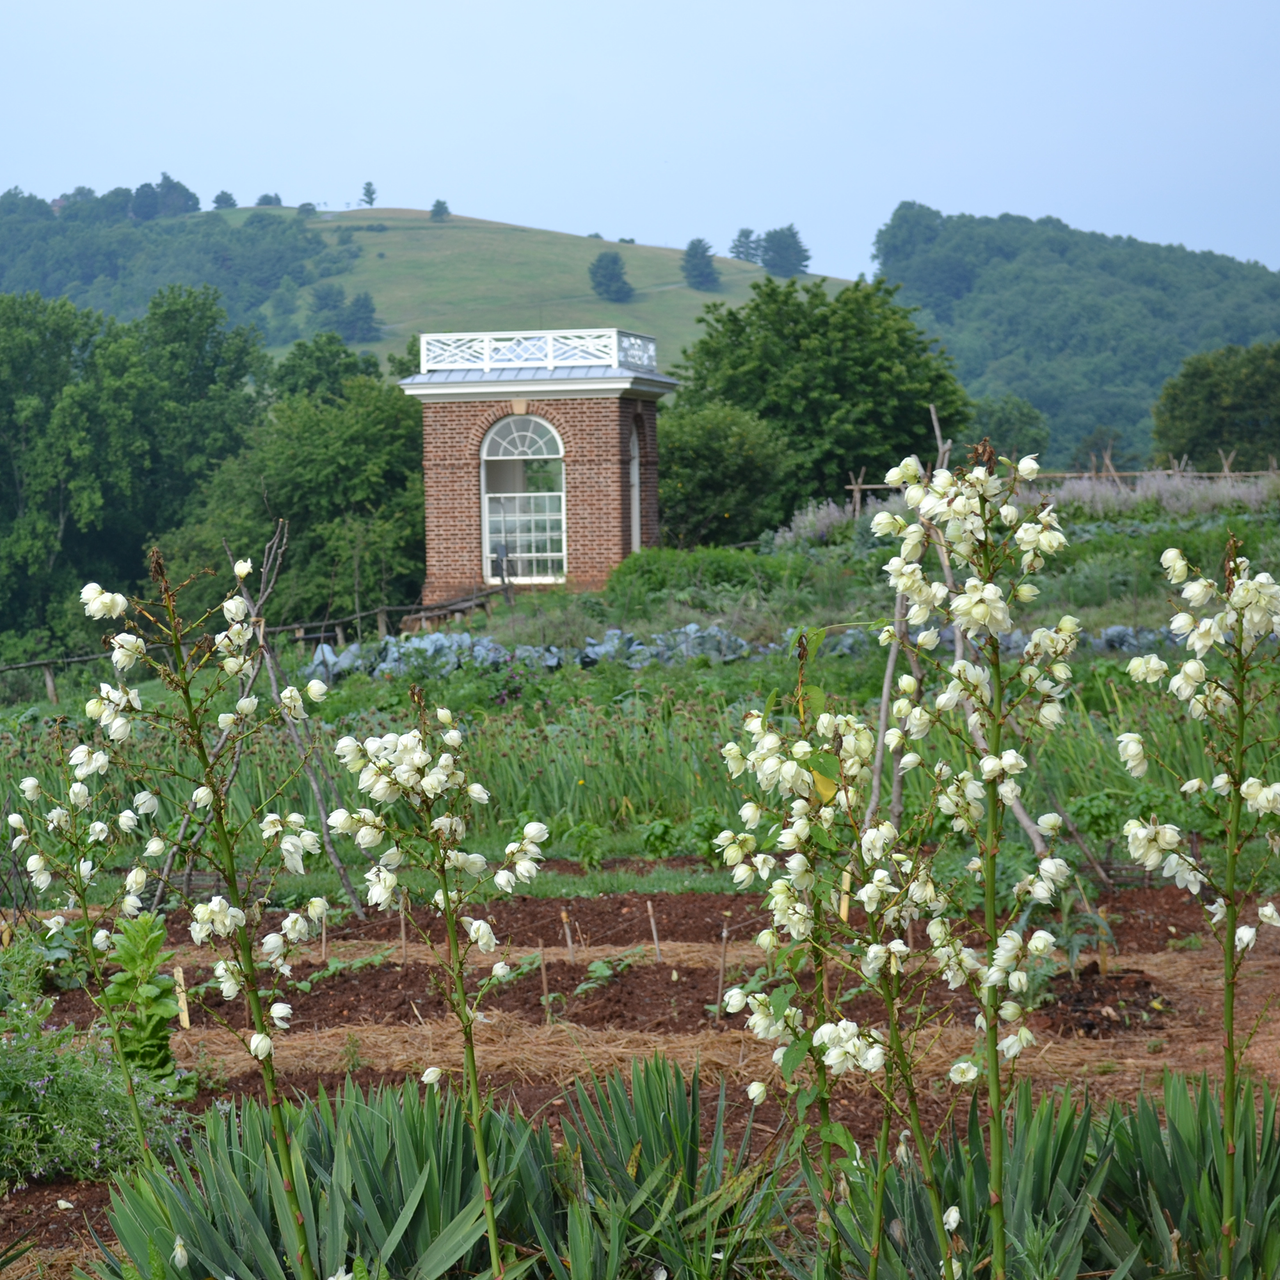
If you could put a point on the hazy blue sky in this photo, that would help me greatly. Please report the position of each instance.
(666, 120)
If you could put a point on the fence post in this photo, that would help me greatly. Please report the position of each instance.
(341, 635)
(50, 689)
(382, 622)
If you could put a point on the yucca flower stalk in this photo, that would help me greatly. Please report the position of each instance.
(987, 701)
(1229, 683)
(184, 759)
(426, 803)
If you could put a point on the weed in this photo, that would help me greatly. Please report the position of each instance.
(602, 972)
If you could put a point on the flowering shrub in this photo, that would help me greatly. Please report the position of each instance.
(813, 830)
(1230, 631)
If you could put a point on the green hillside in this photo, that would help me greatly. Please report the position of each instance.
(1087, 327)
(375, 276)
(468, 274)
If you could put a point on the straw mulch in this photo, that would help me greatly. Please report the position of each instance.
(681, 955)
(509, 1046)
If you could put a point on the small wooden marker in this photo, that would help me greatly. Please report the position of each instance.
(546, 995)
(404, 935)
(180, 995)
(653, 923)
(324, 938)
(568, 933)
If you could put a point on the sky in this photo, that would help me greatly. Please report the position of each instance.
(671, 119)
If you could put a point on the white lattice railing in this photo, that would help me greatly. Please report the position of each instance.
(543, 349)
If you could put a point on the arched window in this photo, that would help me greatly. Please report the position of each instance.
(522, 498)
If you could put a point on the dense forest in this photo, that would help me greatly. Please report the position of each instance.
(1086, 327)
(112, 252)
(178, 429)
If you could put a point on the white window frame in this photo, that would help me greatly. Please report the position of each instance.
(489, 576)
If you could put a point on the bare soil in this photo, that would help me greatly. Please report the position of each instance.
(1159, 1005)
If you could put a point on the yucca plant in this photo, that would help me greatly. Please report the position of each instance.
(1055, 1169)
(1165, 1184)
(697, 1212)
(393, 1181)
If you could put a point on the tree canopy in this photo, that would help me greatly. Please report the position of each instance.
(113, 252)
(345, 471)
(698, 266)
(719, 479)
(1085, 327)
(106, 430)
(608, 276)
(845, 381)
(1223, 402)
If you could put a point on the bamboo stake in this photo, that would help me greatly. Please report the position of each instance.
(546, 994)
(653, 924)
(568, 933)
(404, 934)
(180, 994)
(324, 938)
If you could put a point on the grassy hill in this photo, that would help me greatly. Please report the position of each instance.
(468, 274)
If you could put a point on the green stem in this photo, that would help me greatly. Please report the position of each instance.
(472, 1079)
(113, 1023)
(244, 943)
(882, 1173)
(898, 1051)
(995, 1096)
(1230, 972)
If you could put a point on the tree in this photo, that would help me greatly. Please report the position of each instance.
(407, 365)
(174, 198)
(306, 209)
(782, 252)
(746, 246)
(360, 323)
(346, 473)
(354, 321)
(439, 211)
(224, 200)
(105, 431)
(145, 204)
(1226, 400)
(845, 381)
(609, 277)
(698, 267)
(267, 200)
(1014, 427)
(321, 367)
(718, 475)
(369, 194)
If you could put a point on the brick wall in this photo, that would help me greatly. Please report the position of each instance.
(597, 463)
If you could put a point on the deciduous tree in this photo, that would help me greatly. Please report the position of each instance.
(845, 381)
(719, 468)
(1223, 402)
